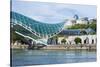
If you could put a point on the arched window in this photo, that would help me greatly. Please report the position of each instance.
(87, 40)
(92, 41)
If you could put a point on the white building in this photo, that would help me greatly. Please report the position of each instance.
(69, 22)
(85, 39)
(73, 21)
(81, 21)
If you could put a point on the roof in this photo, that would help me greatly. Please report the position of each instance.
(70, 32)
(77, 31)
(43, 29)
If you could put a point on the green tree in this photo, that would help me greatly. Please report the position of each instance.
(93, 26)
(78, 26)
(15, 37)
(83, 26)
(63, 41)
(77, 40)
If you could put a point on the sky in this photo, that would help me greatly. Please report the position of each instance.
(52, 12)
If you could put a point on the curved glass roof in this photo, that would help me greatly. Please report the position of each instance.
(42, 29)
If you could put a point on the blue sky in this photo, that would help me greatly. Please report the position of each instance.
(52, 12)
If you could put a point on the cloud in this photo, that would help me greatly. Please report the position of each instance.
(49, 12)
(44, 12)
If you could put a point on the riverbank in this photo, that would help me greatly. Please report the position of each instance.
(59, 47)
(19, 46)
(67, 47)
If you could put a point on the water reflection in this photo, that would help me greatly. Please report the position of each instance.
(34, 57)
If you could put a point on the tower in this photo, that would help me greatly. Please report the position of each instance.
(76, 17)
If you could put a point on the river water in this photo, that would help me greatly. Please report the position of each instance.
(21, 57)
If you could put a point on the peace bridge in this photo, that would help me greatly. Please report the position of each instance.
(34, 30)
